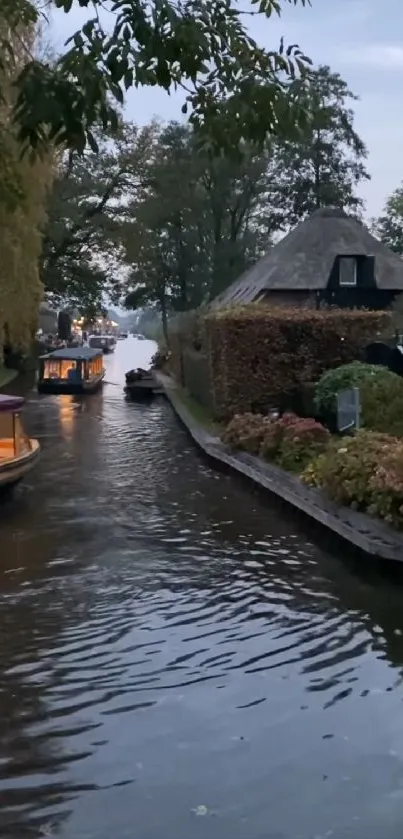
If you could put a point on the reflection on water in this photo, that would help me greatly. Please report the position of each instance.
(66, 407)
(178, 661)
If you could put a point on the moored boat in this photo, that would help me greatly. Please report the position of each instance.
(18, 452)
(73, 370)
(106, 343)
(141, 384)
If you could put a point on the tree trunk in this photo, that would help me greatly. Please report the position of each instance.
(164, 319)
(318, 197)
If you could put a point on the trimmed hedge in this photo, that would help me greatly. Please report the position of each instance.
(262, 357)
(187, 335)
(196, 372)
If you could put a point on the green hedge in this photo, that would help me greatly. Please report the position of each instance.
(196, 370)
(262, 357)
(347, 376)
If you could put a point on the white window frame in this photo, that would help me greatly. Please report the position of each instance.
(348, 284)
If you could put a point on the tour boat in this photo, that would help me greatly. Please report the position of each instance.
(106, 343)
(71, 370)
(18, 452)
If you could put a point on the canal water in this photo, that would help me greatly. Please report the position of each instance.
(178, 660)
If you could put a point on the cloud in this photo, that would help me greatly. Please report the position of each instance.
(378, 56)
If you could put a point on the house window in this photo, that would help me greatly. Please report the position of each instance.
(347, 271)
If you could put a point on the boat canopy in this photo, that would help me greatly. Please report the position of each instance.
(11, 404)
(13, 439)
(73, 354)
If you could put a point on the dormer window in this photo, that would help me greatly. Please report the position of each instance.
(347, 271)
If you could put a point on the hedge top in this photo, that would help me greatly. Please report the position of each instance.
(303, 260)
(299, 315)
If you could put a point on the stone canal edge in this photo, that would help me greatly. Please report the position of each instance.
(369, 536)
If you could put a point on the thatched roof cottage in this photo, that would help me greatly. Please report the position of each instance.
(329, 259)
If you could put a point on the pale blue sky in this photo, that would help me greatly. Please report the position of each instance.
(357, 39)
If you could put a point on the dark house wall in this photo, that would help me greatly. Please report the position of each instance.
(364, 295)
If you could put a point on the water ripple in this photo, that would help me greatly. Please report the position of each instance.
(174, 641)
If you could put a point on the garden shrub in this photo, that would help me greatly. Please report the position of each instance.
(302, 442)
(341, 378)
(246, 432)
(345, 470)
(261, 357)
(273, 436)
(364, 472)
(382, 404)
(290, 440)
(387, 487)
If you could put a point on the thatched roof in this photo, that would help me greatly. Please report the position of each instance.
(303, 260)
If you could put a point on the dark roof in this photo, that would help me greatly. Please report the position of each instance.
(10, 403)
(74, 353)
(303, 260)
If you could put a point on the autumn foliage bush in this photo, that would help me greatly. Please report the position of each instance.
(290, 441)
(302, 441)
(246, 432)
(261, 356)
(364, 472)
(346, 469)
(387, 487)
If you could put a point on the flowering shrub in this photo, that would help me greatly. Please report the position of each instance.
(347, 467)
(274, 433)
(302, 441)
(347, 376)
(364, 472)
(246, 432)
(290, 440)
(387, 487)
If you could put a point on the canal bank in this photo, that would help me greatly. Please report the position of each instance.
(369, 536)
(178, 658)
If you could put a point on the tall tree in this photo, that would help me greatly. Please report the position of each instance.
(200, 224)
(233, 87)
(81, 260)
(327, 164)
(389, 226)
(23, 190)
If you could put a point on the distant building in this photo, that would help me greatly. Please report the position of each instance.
(329, 259)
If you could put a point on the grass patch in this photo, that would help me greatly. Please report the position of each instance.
(7, 376)
(199, 413)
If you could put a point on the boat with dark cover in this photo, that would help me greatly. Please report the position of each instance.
(141, 384)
